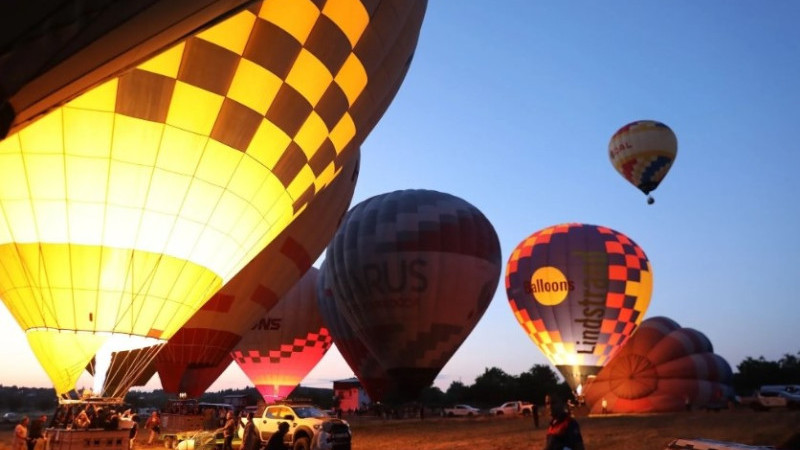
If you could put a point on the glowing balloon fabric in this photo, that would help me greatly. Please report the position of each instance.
(52, 51)
(284, 345)
(412, 272)
(660, 368)
(643, 152)
(125, 209)
(200, 351)
(578, 291)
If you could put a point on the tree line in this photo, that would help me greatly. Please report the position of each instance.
(493, 387)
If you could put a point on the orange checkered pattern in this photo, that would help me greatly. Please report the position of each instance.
(557, 329)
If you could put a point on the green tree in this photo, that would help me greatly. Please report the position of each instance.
(538, 381)
(753, 373)
(458, 392)
(494, 387)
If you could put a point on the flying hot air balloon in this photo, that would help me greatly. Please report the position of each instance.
(53, 51)
(643, 152)
(661, 368)
(365, 365)
(578, 291)
(200, 351)
(412, 272)
(283, 345)
(128, 207)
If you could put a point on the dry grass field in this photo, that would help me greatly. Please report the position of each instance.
(615, 432)
(607, 432)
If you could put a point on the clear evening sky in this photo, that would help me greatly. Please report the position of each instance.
(510, 105)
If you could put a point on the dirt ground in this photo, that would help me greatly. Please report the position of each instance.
(617, 432)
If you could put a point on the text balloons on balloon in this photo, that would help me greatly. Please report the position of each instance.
(413, 271)
(578, 291)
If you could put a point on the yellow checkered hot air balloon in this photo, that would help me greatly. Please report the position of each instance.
(126, 208)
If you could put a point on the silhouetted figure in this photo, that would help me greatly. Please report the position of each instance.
(250, 439)
(276, 440)
(36, 431)
(563, 431)
(227, 431)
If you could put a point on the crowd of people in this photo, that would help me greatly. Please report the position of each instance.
(30, 435)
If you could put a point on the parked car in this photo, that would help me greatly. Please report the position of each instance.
(305, 420)
(772, 397)
(788, 393)
(11, 417)
(512, 408)
(462, 410)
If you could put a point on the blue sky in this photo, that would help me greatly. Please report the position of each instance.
(510, 105)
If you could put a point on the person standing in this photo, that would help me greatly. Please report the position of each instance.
(82, 420)
(563, 432)
(535, 414)
(227, 431)
(36, 431)
(21, 435)
(250, 438)
(276, 440)
(134, 430)
(154, 425)
(604, 405)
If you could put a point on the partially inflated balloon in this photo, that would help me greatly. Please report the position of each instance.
(125, 209)
(661, 368)
(364, 364)
(643, 152)
(578, 291)
(200, 351)
(412, 272)
(282, 346)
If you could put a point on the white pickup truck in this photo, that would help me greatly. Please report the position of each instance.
(775, 396)
(461, 410)
(304, 422)
(512, 408)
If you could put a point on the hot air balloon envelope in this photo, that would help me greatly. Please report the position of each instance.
(52, 51)
(643, 152)
(128, 207)
(412, 272)
(578, 291)
(282, 346)
(663, 367)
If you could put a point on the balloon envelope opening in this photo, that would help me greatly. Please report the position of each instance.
(117, 343)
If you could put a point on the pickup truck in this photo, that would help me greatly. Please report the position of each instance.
(512, 408)
(774, 396)
(461, 410)
(304, 422)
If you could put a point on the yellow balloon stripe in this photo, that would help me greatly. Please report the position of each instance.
(94, 288)
(64, 355)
